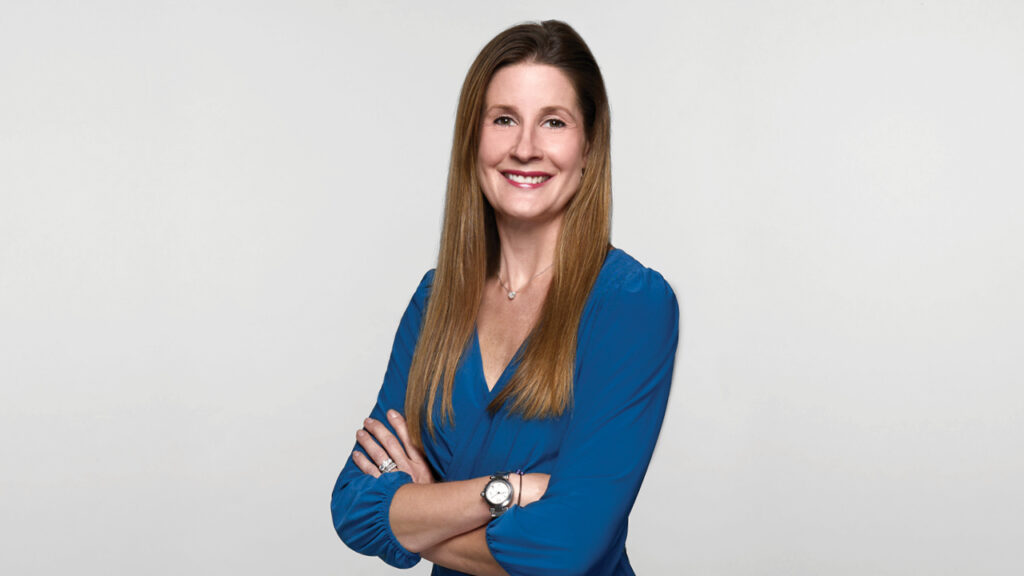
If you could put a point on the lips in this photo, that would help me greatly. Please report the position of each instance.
(526, 179)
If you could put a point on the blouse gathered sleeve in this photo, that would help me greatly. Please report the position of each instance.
(360, 503)
(623, 375)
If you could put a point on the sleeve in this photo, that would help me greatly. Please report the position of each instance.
(360, 503)
(624, 372)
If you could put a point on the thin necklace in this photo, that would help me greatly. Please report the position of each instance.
(512, 293)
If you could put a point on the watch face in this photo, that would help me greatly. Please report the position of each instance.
(498, 492)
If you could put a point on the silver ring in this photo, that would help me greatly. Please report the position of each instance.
(388, 465)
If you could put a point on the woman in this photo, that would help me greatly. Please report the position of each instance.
(530, 373)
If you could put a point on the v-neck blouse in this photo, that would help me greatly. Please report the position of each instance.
(597, 452)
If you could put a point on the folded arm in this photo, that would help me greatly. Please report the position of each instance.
(424, 514)
(466, 553)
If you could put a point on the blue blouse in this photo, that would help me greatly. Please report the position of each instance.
(596, 453)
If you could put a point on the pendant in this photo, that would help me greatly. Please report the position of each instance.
(511, 295)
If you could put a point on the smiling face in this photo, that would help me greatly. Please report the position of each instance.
(532, 144)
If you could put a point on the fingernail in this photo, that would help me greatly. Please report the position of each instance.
(368, 420)
(360, 433)
(392, 414)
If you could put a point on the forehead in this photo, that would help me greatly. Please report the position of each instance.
(531, 86)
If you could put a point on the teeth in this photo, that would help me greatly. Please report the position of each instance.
(526, 179)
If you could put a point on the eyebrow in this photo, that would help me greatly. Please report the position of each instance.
(543, 111)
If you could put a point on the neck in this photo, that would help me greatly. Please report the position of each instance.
(526, 249)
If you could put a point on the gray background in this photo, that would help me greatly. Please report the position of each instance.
(212, 215)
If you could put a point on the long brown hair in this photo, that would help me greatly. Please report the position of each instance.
(542, 385)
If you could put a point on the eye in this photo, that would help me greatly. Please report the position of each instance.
(504, 121)
(554, 123)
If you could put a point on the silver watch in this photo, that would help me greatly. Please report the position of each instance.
(498, 494)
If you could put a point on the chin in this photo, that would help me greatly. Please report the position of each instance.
(529, 216)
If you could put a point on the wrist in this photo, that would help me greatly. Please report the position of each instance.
(526, 490)
(535, 485)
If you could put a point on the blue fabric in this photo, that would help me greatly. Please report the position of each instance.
(596, 453)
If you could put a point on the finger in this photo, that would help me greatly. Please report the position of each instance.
(376, 454)
(364, 464)
(402, 430)
(386, 439)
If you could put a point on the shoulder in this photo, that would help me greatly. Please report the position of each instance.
(426, 282)
(629, 331)
(419, 297)
(418, 303)
(629, 304)
(625, 281)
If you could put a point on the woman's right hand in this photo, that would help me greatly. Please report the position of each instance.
(380, 444)
(535, 484)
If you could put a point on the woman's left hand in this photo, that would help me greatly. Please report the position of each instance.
(381, 444)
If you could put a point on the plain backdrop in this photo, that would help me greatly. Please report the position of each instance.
(213, 213)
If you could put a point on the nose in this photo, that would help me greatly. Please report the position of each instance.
(526, 148)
